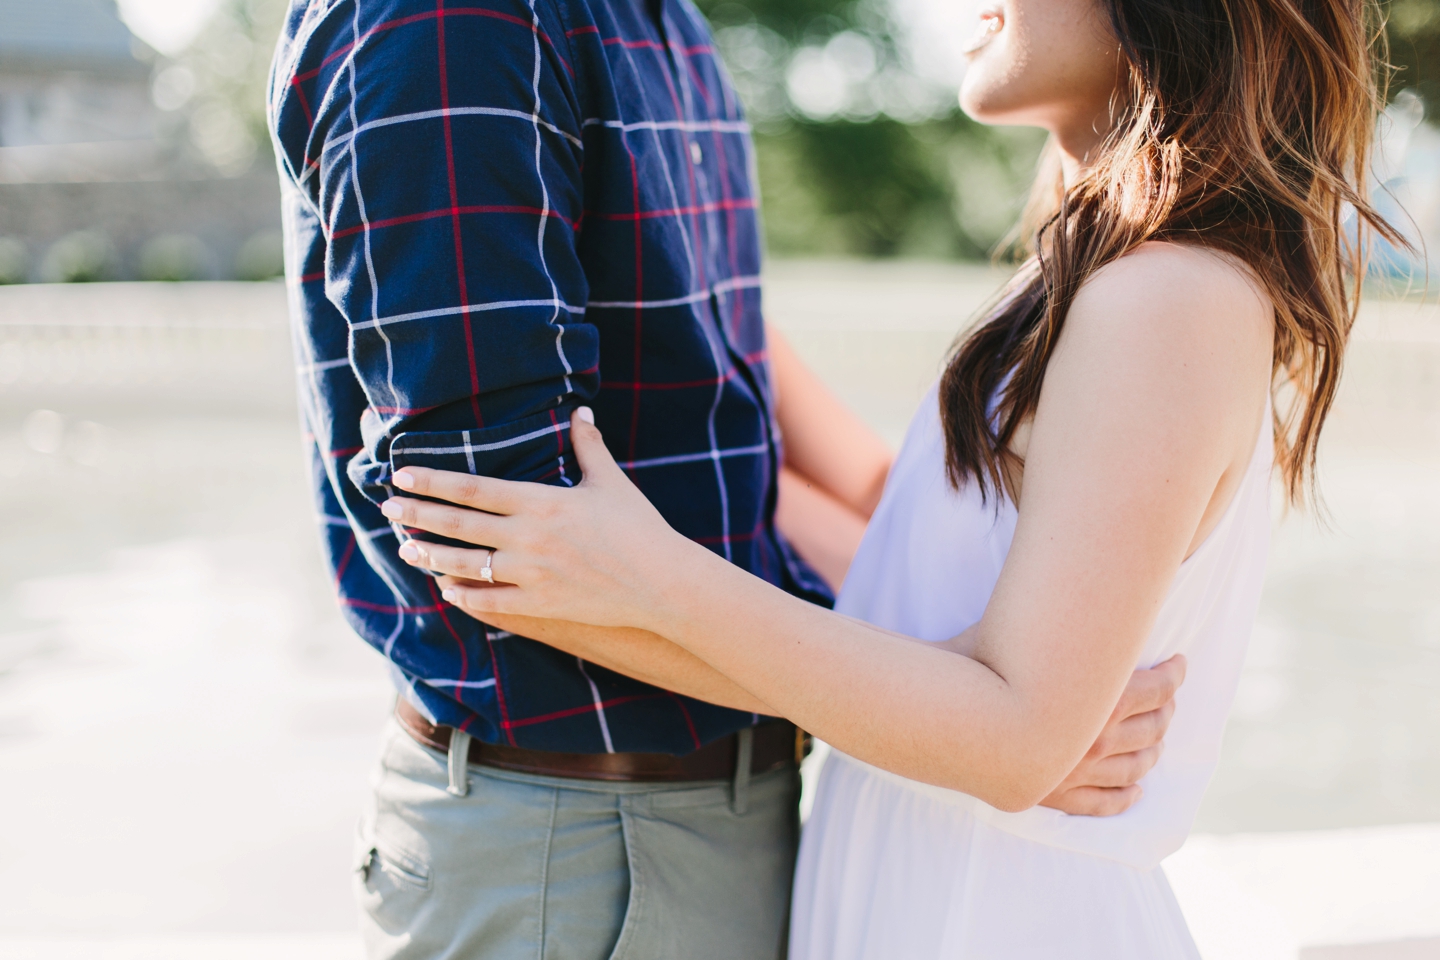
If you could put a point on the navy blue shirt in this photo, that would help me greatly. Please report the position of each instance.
(494, 212)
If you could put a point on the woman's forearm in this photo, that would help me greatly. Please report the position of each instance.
(639, 654)
(916, 709)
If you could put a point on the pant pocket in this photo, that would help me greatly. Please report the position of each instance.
(706, 883)
(391, 885)
(631, 926)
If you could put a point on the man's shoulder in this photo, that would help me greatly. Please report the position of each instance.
(338, 28)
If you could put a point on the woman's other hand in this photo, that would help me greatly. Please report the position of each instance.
(1106, 781)
(597, 553)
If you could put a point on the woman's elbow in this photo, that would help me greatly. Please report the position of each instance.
(1015, 798)
(1017, 788)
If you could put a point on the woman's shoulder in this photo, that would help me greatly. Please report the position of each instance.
(1178, 300)
(1184, 280)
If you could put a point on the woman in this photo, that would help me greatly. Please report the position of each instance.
(1087, 489)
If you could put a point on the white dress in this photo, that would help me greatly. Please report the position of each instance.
(892, 869)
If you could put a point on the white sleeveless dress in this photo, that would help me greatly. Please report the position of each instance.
(892, 869)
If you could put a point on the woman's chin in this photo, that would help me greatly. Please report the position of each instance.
(981, 108)
(995, 105)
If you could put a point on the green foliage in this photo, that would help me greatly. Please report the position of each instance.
(869, 183)
(262, 257)
(175, 257)
(857, 153)
(946, 187)
(215, 90)
(14, 261)
(887, 167)
(85, 256)
(1413, 29)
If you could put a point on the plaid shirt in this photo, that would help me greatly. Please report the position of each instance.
(496, 210)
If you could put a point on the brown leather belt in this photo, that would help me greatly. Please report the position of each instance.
(775, 745)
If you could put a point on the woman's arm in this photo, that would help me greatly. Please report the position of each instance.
(1151, 401)
(631, 651)
(827, 449)
(835, 466)
(825, 442)
(824, 531)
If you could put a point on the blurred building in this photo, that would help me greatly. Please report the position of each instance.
(96, 181)
(74, 97)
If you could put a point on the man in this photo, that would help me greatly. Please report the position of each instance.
(494, 213)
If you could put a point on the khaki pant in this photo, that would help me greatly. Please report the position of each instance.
(544, 868)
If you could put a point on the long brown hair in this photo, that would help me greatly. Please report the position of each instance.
(1243, 126)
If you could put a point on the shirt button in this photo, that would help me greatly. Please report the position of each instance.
(695, 154)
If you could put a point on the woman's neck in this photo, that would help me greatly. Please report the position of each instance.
(1078, 151)
(1080, 139)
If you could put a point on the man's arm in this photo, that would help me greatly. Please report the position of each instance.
(449, 217)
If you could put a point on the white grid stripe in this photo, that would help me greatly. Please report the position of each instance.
(320, 366)
(468, 308)
(716, 454)
(534, 118)
(599, 707)
(469, 449)
(685, 126)
(364, 217)
(724, 286)
(544, 220)
(712, 454)
(468, 684)
(329, 521)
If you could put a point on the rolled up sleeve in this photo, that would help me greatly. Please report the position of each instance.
(451, 196)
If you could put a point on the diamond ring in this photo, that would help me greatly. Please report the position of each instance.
(487, 572)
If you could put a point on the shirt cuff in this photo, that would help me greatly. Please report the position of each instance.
(536, 449)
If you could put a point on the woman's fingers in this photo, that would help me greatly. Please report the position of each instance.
(483, 601)
(453, 561)
(503, 497)
(594, 457)
(1093, 801)
(457, 523)
(1136, 732)
(1151, 689)
(1121, 769)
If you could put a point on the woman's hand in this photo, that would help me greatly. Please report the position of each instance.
(597, 553)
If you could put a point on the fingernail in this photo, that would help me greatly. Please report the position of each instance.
(586, 414)
(450, 595)
(405, 481)
(392, 509)
(409, 552)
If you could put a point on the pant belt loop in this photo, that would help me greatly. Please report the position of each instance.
(744, 754)
(459, 762)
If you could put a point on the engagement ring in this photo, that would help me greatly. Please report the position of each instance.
(487, 572)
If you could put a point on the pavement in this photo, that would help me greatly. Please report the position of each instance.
(187, 727)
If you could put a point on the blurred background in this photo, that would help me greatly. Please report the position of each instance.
(186, 725)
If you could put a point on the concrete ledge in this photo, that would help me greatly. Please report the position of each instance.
(1398, 950)
(211, 947)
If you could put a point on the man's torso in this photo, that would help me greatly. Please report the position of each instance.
(613, 122)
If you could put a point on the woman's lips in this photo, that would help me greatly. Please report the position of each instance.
(992, 21)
